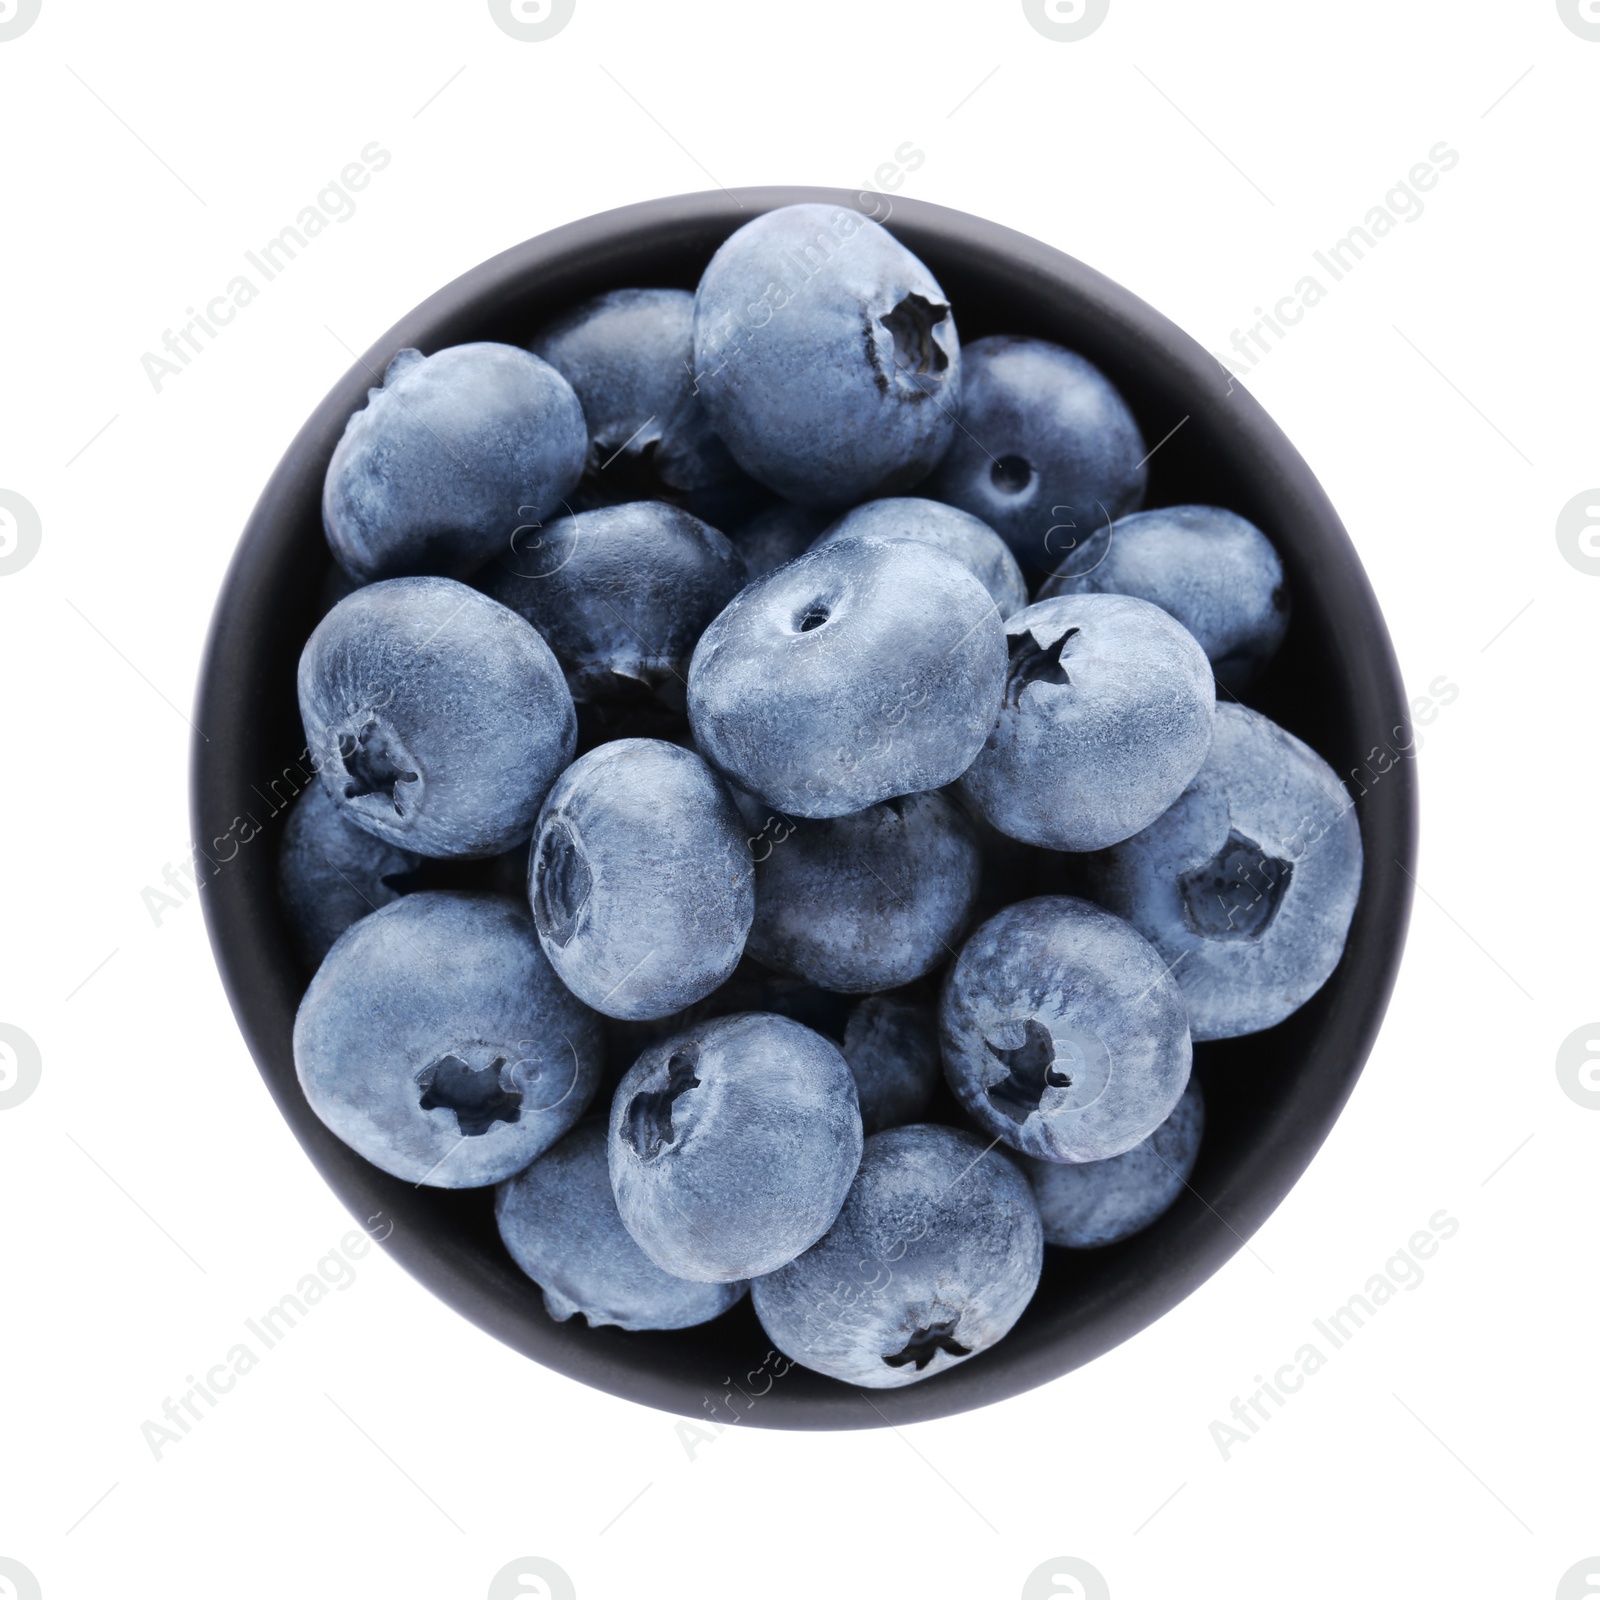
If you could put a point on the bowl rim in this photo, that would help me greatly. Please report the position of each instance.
(264, 993)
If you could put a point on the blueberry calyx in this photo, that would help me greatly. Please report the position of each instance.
(925, 1344)
(917, 354)
(1031, 662)
(562, 883)
(375, 764)
(1031, 1068)
(619, 472)
(477, 1095)
(649, 1124)
(1236, 894)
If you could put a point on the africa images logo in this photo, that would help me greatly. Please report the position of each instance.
(16, 17)
(532, 21)
(16, 1580)
(1065, 1578)
(1066, 21)
(531, 1578)
(1578, 532)
(21, 1066)
(1582, 16)
(1578, 1067)
(20, 532)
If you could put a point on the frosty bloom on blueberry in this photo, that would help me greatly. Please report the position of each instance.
(1047, 450)
(1107, 715)
(1087, 1204)
(868, 901)
(641, 879)
(629, 356)
(621, 595)
(934, 1256)
(450, 456)
(438, 719)
(436, 1040)
(1249, 882)
(559, 1220)
(860, 671)
(733, 1145)
(1211, 570)
(959, 534)
(1062, 1032)
(827, 356)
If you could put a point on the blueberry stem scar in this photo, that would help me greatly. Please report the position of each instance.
(1236, 894)
(925, 1344)
(475, 1094)
(371, 768)
(650, 1113)
(1032, 662)
(1031, 1070)
(910, 325)
(562, 885)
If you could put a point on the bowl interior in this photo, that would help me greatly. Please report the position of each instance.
(1271, 1097)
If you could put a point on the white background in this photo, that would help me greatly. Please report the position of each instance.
(150, 1196)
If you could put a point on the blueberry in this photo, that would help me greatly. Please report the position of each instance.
(960, 535)
(437, 1043)
(1247, 885)
(629, 356)
(1213, 571)
(857, 672)
(868, 901)
(331, 873)
(641, 879)
(827, 356)
(449, 458)
(776, 535)
(1090, 1203)
(892, 1047)
(934, 1257)
(1047, 450)
(621, 595)
(732, 1146)
(1107, 714)
(559, 1220)
(1062, 1032)
(437, 718)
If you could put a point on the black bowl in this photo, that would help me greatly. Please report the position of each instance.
(1271, 1098)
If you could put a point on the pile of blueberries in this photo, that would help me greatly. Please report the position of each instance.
(870, 897)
